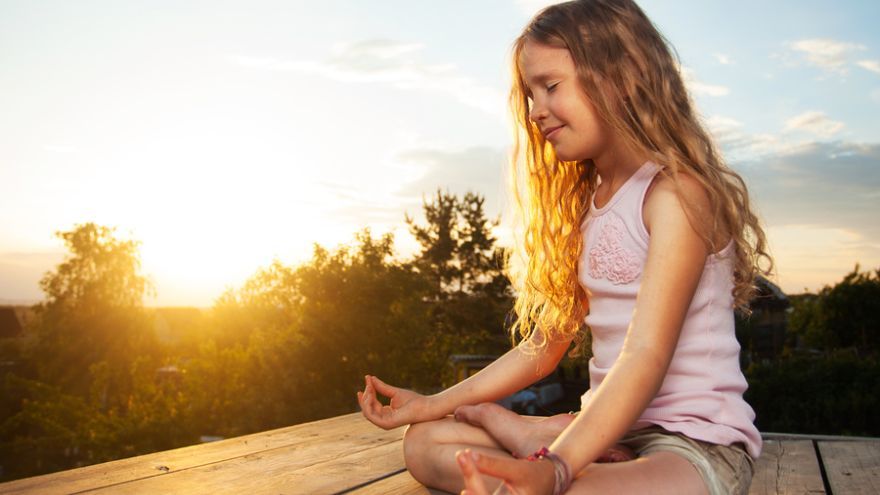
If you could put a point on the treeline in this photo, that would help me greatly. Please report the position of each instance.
(827, 379)
(92, 382)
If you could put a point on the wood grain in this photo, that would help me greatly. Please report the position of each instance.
(347, 454)
(281, 471)
(852, 467)
(353, 428)
(787, 467)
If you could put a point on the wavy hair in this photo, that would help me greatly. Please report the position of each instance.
(627, 70)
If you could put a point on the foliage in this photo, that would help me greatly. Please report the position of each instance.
(471, 295)
(837, 395)
(86, 391)
(93, 312)
(845, 315)
(458, 249)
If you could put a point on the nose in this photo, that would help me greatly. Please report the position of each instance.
(538, 112)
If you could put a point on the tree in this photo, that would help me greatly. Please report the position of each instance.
(93, 312)
(95, 396)
(471, 294)
(439, 241)
(458, 248)
(845, 315)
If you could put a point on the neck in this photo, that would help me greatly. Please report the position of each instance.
(618, 163)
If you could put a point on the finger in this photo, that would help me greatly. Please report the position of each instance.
(370, 400)
(380, 415)
(473, 481)
(382, 387)
(499, 467)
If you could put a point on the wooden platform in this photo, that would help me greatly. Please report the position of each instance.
(347, 454)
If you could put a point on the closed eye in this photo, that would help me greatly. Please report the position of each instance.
(551, 87)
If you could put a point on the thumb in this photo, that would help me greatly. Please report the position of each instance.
(499, 467)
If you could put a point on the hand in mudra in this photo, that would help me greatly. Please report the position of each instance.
(406, 406)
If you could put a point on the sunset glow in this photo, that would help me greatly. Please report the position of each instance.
(225, 136)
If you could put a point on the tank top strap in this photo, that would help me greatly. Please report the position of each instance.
(631, 205)
(632, 193)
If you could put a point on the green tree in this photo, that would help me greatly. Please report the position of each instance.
(439, 241)
(93, 395)
(294, 343)
(471, 295)
(458, 248)
(845, 315)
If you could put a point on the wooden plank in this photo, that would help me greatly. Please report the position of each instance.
(852, 467)
(787, 466)
(336, 465)
(351, 426)
(399, 484)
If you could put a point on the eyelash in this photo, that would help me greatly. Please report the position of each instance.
(550, 89)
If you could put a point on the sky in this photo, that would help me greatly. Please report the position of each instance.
(225, 134)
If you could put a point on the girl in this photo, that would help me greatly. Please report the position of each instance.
(634, 226)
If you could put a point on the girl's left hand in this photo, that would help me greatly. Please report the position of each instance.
(521, 476)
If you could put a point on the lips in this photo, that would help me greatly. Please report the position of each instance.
(550, 131)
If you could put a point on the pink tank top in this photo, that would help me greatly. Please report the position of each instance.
(702, 393)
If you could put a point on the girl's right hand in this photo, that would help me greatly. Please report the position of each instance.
(406, 406)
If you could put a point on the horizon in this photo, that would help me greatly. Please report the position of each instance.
(225, 136)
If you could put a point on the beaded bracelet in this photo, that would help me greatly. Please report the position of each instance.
(560, 469)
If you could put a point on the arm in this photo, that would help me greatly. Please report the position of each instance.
(507, 374)
(511, 372)
(676, 256)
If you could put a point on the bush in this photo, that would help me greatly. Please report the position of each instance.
(837, 394)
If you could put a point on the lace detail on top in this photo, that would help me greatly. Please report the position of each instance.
(609, 259)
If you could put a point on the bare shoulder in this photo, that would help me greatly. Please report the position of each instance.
(664, 199)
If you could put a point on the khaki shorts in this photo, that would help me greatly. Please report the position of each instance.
(725, 469)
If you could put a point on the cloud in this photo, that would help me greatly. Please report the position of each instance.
(871, 65)
(723, 59)
(825, 198)
(389, 62)
(738, 145)
(831, 56)
(829, 185)
(818, 204)
(479, 169)
(698, 87)
(815, 123)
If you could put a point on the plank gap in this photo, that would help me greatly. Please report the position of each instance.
(370, 482)
(824, 474)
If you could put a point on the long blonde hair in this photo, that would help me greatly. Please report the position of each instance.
(627, 71)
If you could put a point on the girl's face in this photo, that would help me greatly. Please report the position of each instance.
(558, 105)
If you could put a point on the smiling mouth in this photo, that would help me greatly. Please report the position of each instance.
(551, 131)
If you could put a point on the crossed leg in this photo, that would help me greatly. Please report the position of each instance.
(523, 435)
(429, 447)
(662, 473)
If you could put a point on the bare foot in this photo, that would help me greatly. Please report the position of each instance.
(523, 436)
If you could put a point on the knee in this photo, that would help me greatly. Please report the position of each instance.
(417, 440)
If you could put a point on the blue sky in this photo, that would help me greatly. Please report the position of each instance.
(225, 134)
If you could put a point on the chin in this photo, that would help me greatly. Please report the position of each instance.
(568, 157)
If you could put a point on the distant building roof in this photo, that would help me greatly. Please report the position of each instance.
(771, 288)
